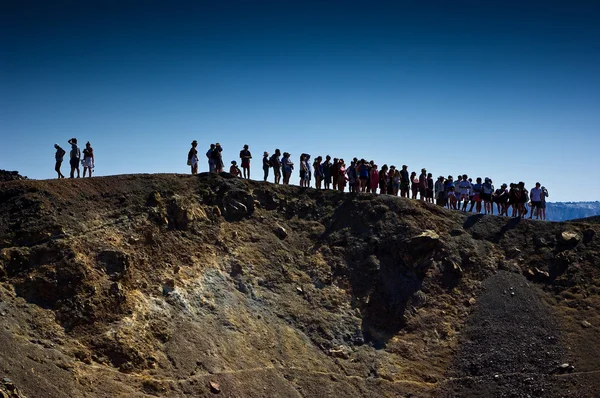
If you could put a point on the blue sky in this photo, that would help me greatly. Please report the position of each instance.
(500, 89)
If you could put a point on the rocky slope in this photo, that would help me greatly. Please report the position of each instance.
(171, 285)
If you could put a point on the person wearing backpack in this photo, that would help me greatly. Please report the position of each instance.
(217, 157)
(487, 189)
(75, 156)
(524, 198)
(276, 165)
(59, 156)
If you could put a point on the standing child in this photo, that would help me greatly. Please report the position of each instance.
(234, 169)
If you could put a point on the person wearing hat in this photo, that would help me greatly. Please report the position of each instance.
(88, 159)
(193, 157)
(59, 156)
(266, 165)
(245, 156)
(287, 165)
(234, 169)
(75, 155)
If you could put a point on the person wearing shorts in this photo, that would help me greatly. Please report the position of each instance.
(536, 200)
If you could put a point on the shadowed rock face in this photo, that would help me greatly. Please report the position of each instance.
(6, 175)
(169, 285)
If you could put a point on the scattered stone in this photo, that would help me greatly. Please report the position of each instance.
(565, 367)
(236, 269)
(472, 301)
(586, 324)
(237, 204)
(588, 235)
(280, 232)
(340, 352)
(537, 274)
(514, 252)
(168, 287)
(570, 237)
(114, 262)
(512, 293)
(299, 290)
(215, 388)
(539, 241)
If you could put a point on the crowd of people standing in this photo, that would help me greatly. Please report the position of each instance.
(75, 160)
(365, 176)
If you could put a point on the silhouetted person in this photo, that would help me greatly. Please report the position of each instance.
(88, 159)
(59, 156)
(193, 157)
(245, 156)
(75, 155)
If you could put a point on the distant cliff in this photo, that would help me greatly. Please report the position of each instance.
(562, 211)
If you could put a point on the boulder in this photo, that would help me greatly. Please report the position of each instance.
(588, 235)
(182, 211)
(569, 237)
(586, 324)
(114, 262)
(280, 232)
(415, 250)
(215, 388)
(236, 205)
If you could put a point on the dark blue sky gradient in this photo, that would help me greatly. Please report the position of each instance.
(504, 89)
